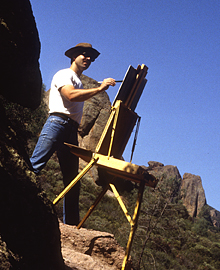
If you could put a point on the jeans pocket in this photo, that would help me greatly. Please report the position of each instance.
(58, 120)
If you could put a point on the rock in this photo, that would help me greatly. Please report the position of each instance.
(159, 170)
(155, 164)
(88, 249)
(215, 217)
(19, 53)
(193, 193)
(96, 112)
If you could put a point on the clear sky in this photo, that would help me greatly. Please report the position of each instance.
(179, 41)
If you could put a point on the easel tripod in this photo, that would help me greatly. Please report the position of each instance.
(110, 148)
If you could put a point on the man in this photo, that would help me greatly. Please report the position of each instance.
(65, 111)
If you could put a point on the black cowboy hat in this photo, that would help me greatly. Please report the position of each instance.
(82, 48)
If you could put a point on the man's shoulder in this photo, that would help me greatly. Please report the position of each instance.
(66, 76)
(64, 71)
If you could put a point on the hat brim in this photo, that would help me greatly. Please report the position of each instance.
(75, 51)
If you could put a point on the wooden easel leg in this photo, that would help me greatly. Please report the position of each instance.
(75, 180)
(98, 199)
(134, 223)
(121, 203)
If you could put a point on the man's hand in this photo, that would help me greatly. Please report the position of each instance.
(106, 83)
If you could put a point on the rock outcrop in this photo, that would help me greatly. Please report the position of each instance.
(193, 194)
(159, 170)
(191, 185)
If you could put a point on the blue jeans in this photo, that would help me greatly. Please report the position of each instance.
(55, 132)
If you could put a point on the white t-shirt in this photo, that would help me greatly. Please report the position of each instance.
(58, 103)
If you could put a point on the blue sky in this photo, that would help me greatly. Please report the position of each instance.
(179, 41)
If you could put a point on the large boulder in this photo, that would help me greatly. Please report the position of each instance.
(89, 249)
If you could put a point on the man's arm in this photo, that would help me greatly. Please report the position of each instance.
(78, 95)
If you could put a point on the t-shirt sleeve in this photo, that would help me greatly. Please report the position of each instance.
(63, 78)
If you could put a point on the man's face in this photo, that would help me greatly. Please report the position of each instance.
(83, 61)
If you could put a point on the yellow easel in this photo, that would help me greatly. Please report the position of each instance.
(110, 148)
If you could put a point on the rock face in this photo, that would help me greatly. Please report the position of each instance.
(159, 170)
(89, 250)
(194, 195)
(19, 54)
(29, 229)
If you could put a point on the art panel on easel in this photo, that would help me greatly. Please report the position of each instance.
(132, 86)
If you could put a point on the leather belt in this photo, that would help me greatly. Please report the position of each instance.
(66, 117)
